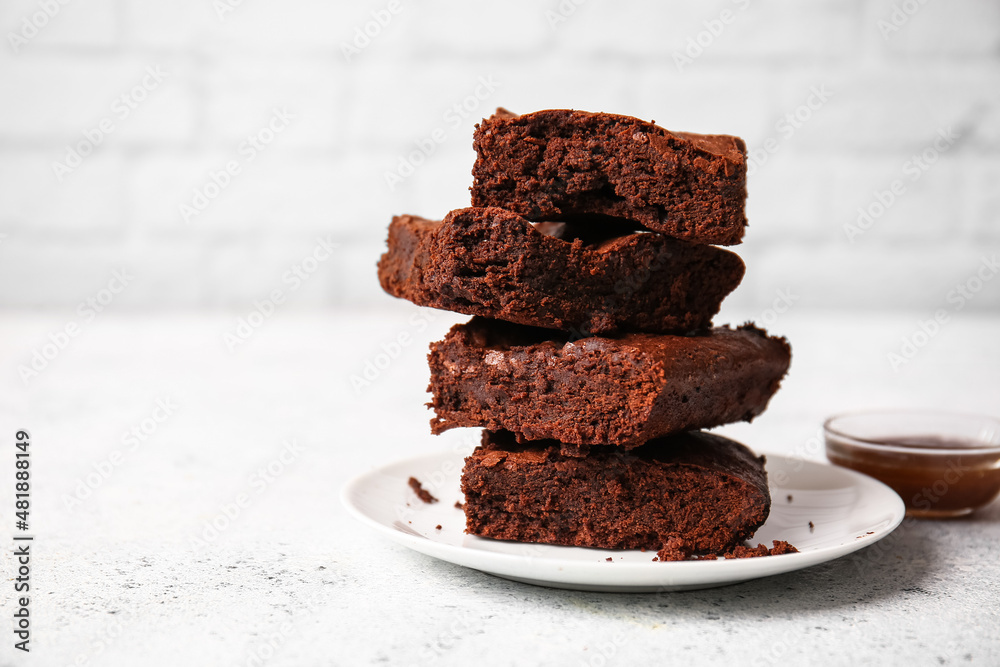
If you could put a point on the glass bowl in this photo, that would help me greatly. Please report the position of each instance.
(942, 464)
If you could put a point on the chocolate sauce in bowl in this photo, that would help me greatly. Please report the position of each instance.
(936, 476)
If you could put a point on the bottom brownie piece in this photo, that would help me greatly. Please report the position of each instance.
(692, 492)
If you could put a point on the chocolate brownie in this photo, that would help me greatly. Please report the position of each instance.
(490, 262)
(621, 391)
(559, 164)
(695, 492)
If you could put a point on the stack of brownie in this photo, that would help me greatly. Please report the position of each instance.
(589, 261)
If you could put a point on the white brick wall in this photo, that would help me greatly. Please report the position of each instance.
(746, 66)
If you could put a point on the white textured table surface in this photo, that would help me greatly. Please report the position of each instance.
(123, 573)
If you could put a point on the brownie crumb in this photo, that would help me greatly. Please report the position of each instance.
(675, 549)
(789, 497)
(740, 551)
(780, 547)
(421, 492)
(459, 506)
(437, 527)
(609, 559)
(811, 527)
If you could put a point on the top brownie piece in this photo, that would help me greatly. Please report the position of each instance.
(562, 164)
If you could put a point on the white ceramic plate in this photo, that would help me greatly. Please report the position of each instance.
(849, 511)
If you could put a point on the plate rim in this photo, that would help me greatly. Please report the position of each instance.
(579, 574)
